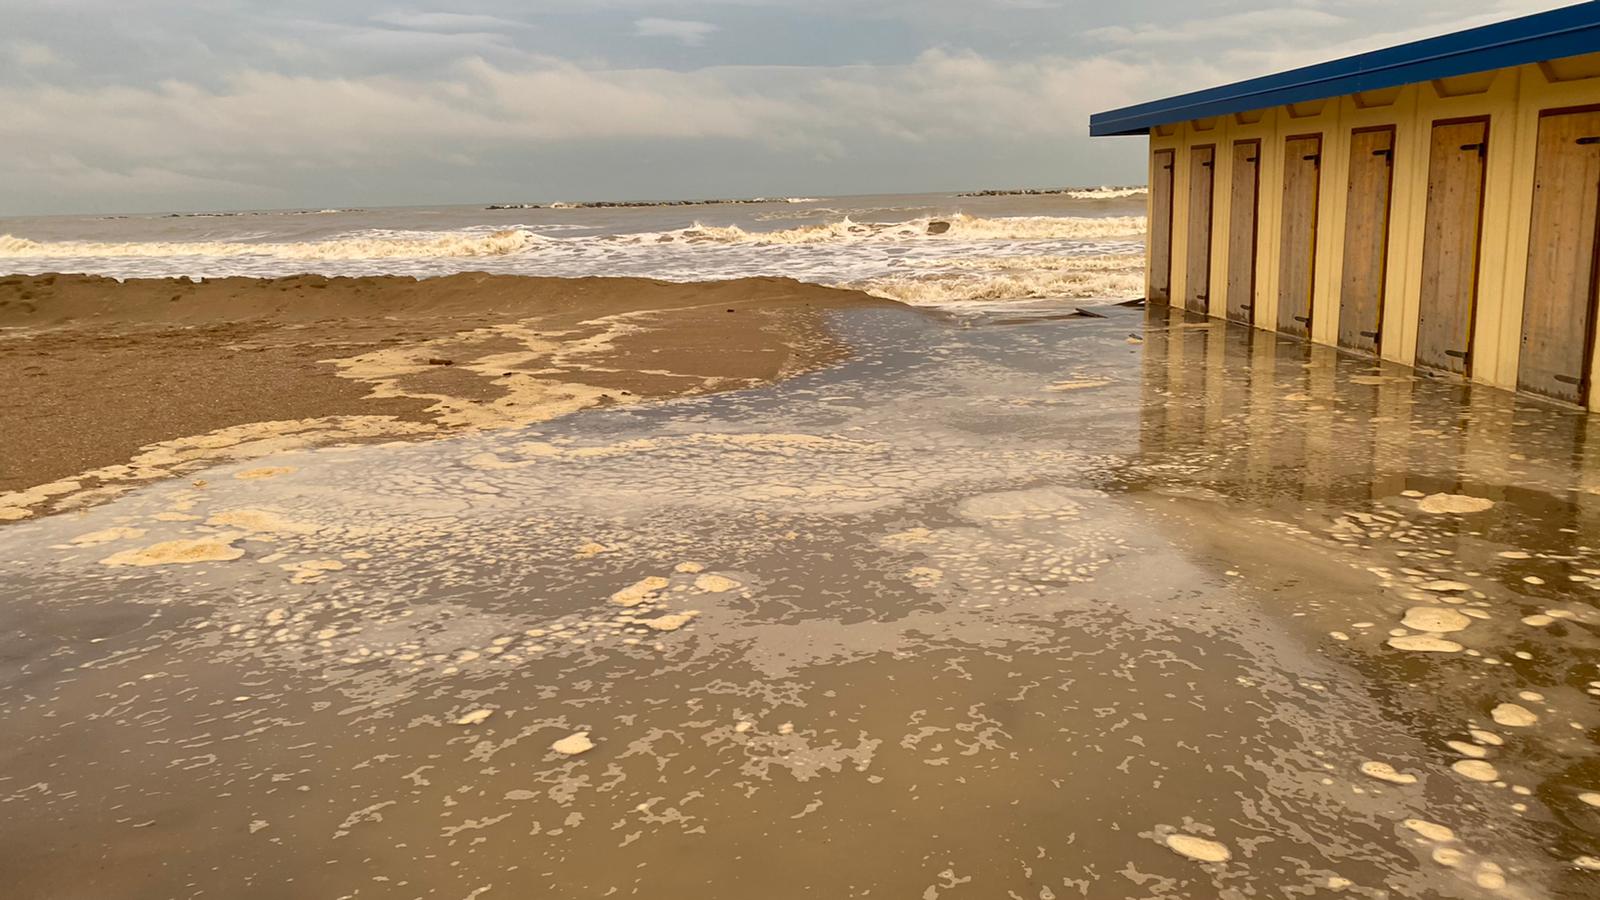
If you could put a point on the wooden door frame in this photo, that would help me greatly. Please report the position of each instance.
(1172, 200)
(1477, 244)
(1388, 225)
(1255, 226)
(1586, 379)
(1211, 221)
(1316, 214)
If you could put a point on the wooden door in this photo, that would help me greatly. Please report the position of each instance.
(1456, 164)
(1160, 225)
(1242, 204)
(1366, 238)
(1197, 281)
(1297, 258)
(1558, 309)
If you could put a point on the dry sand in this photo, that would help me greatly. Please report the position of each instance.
(104, 384)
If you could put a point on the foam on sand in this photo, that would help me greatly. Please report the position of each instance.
(1385, 772)
(573, 744)
(1453, 504)
(1198, 848)
(213, 548)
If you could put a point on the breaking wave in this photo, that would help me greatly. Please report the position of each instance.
(1107, 193)
(1116, 276)
(406, 245)
(957, 227)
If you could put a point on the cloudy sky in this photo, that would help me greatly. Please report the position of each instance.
(107, 105)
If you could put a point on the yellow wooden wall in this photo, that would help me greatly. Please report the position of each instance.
(1512, 99)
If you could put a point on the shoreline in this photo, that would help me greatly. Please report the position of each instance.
(106, 385)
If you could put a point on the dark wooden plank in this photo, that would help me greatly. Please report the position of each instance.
(1366, 238)
(1558, 305)
(1160, 288)
(1202, 186)
(1242, 214)
(1452, 232)
(1297, 258)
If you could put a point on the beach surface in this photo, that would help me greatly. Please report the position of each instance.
(105, 384)
(1131, 605)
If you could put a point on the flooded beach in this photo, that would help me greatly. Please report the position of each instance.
(1121, 605)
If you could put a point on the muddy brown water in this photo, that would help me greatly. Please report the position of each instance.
(991, 611)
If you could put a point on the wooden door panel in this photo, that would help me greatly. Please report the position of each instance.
(1366, 238)
(1456, 163)
(1160, 225)
(1202, 181)
(1297, 258)
(1558, 305)
(1242, 202)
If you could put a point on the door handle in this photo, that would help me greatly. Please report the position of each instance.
(1568, 379)
(1304, 320)
(1458, 354)
(1251, 158)
(1371, 334)
(1589, 140)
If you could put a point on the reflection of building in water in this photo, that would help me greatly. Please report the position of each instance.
(1269, 419)
(1434, 203)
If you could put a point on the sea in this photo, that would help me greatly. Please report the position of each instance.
(952, 250)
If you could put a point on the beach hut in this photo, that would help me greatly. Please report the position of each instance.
(1432, 203)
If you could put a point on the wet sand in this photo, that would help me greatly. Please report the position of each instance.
(1034, 610)
(104, 384)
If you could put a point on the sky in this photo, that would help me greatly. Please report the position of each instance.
(159, 105)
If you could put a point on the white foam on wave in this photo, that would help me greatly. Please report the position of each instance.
(956, 259)
(1107, 193)
(956, 227)
(404, 245)
(1107, 276)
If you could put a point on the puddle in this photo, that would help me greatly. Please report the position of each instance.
(986, 612)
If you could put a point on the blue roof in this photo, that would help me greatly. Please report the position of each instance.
(1569, 31)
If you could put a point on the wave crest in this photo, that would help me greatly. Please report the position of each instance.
(387, 246)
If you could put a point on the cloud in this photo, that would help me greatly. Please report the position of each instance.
(689, 33)
(1256, 23)
(447, 22)
(29, 55)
